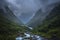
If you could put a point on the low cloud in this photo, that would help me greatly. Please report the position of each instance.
(26, 9)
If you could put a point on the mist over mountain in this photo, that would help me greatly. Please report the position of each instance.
(35, 17)
(7, 13)
(41, 15)
(26, 10)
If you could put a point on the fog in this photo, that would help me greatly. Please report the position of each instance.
(26, 9)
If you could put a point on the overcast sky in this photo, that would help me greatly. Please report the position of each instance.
(26, 9)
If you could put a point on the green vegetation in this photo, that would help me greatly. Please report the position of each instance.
(9, 29)
(50, 27)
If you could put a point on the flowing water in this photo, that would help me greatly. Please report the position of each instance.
(34, 37)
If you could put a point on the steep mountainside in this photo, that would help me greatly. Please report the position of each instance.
(6, 12)
(40, 16)
(50, 28)
(10, 25)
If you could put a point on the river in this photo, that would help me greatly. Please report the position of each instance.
(29, 36)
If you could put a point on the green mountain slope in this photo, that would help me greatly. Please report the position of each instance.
(9, 27)
(50, 28)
